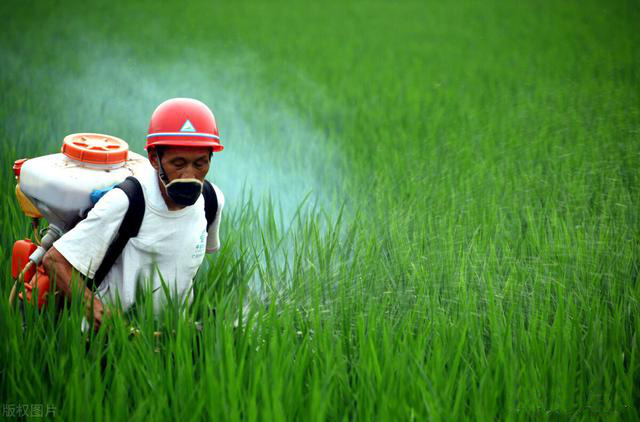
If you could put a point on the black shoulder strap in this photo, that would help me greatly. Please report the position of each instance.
(128, 228)
(210, 202)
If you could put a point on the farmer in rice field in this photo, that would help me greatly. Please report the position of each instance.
(156, 227)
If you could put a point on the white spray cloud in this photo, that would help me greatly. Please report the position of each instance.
(269, 149)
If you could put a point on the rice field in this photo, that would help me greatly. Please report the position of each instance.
(432, 209)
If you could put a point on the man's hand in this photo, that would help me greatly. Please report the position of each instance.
(60, 270)
(100, 314)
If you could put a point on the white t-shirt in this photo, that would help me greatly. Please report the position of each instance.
(171, 243)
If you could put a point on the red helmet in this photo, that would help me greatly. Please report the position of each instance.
(183, 122)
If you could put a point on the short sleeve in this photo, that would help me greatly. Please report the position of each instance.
(213, 235)
(85, 245)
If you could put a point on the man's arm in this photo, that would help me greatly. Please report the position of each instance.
(213, 236)
(62, 272)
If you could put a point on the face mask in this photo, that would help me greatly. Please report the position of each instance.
(181, 191)
(184, 191)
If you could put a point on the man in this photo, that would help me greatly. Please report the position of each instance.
(173, 235)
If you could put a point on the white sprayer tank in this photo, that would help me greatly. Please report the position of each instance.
(60, 185)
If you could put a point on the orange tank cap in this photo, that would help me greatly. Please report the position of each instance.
(95, 148)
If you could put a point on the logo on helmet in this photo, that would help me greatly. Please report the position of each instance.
(187, 127)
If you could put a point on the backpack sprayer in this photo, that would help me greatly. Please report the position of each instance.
(58, 188)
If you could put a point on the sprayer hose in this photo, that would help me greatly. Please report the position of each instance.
(20, 279)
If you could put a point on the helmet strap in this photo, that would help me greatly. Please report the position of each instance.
(161, 173)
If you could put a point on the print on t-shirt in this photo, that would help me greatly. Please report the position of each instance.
(200, 247)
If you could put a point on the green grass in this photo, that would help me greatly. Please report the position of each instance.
(440, 217)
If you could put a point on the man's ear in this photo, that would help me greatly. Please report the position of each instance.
(153, 158)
